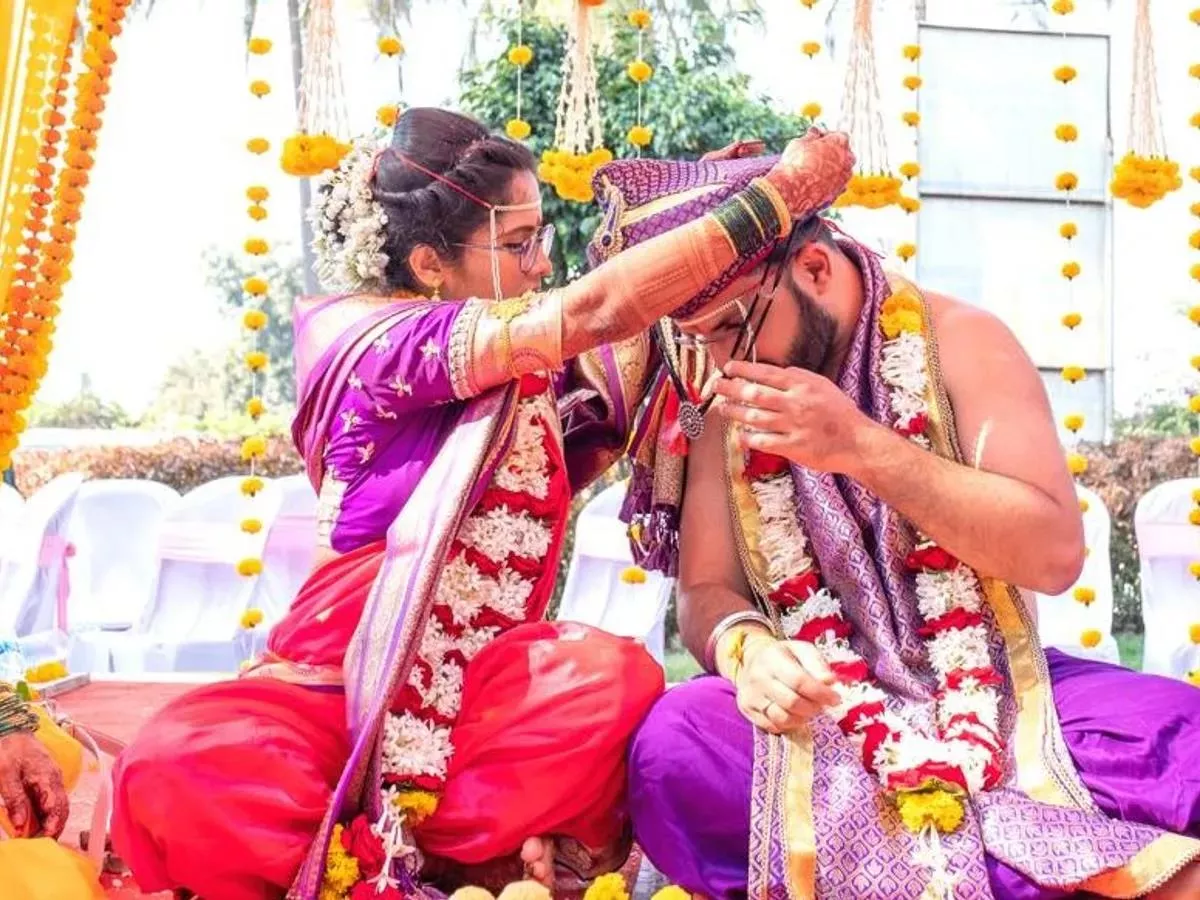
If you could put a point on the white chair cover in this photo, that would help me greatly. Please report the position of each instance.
(594, 592)
(290, 550)
(115, 529)
(35, 578)
(1167, 544)
(1062, 619)
(192, 623)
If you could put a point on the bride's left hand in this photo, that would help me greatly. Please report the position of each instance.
(799, 415)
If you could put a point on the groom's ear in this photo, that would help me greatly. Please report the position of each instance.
(813, 266)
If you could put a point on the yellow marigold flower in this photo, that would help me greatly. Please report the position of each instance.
(1194, 15)
(1194, 570)
(1194, 633)
(520, 55)
(910, 170)
(912, 52)
(258, 145)
(1193, 677)
(1066, 181)
(1195, 271)
(911, 118)
(389, 45)
(1068, 230)
(811, 110)
(254, 447)
(259, 45)
(1063, 7)
(251, 526)
(256, 193)
(1194, 209)
(249, 567)
(640, 136)
(341, 869)
(640, 18)
(1194, 403)
(1073, 373)
(909, 204)
(256, 360)
(912, 82)
(1072, 319)
(633, 575)
(1066, 132)
(517, 129)
(1070, 270)
(1194, 70)
(259, 88)
(1065, 74)
(640, 71)
(252, 485)
(941, 809)
(906, 251)
(1194, 316)
(607, 887)
(1194, 516)
(1194, 445)
(808, 3)
(1084, 595)
(1091, 638)
(417, 806)
(255, 407)
(1194, 173)
(254, 319)
(256, 246)
(256, 212)
(1084, 506)
(525, 890)
(810, 48)
(1077, 463)
(1194, 121)
(255, 286)
(1073, 422)
(671, 892)
(387, 115)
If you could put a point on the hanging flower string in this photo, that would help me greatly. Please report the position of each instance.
(578, 148)
(1067, 133)
(812, 109)
(1145, 175)
(254, 319)
(640, 72)
(315, 148)
(43, 269)
(390, 48)
(520, 55)
(911, 170)
(873, 184)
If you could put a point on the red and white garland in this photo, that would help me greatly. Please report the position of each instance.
(495, 563)
(965, 754)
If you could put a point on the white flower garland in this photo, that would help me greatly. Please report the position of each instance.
(349, 225)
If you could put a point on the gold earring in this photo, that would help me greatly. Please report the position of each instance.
(437, 293)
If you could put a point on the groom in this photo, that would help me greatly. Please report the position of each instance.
(879, 720)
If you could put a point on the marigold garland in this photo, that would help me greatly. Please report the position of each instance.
(42, 268)
(910, 170)
(519, 56)
(812, 109)
(640, 72)
(1145, 174)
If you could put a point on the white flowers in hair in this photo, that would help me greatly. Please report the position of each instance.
(349, 225)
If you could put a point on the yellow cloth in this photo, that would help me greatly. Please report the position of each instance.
(42, 868)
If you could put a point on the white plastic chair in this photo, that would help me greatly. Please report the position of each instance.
(115, 529)
(594, 593)
(1062, 620)
(1167, 545)
(290, 550)
(192, 623)
(35, 582)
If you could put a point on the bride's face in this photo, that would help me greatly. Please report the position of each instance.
(520, 247)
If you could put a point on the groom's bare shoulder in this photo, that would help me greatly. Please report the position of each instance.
(969, 336)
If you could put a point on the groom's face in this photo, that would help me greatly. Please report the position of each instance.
(797, 329)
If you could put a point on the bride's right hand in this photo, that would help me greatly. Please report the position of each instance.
(813, 171)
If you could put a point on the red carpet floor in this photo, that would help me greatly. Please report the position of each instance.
(119, 710)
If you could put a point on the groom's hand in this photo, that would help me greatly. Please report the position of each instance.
(799, 415)
(782, 684)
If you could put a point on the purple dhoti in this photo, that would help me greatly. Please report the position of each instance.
(1135, 740)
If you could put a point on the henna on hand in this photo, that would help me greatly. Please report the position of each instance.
(31, 787)
(813, 171)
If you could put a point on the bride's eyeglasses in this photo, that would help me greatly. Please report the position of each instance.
(530, 250)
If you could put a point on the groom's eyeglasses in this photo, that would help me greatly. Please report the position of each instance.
(753, 319)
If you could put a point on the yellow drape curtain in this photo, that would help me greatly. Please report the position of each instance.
(34, 38)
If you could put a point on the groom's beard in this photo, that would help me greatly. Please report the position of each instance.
(813, 347)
